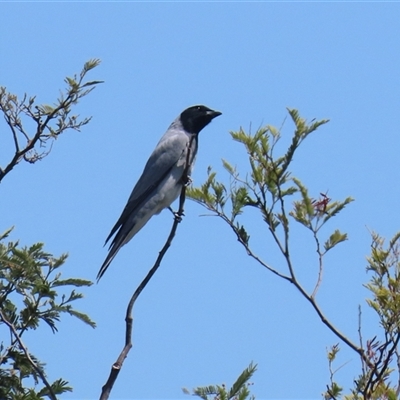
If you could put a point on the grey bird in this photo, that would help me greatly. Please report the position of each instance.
(161, 181)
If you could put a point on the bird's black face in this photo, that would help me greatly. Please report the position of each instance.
(195, 118)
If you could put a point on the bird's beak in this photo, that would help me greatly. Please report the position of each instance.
(213, 114)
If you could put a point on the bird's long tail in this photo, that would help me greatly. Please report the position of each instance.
(114, 248)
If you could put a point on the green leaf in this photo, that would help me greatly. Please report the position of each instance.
(240, 136)
(242, 380)
(204, 392)
(301, 132)
(92, 63)
(335, 389)
(242, 233)
(334, 208)
(91, 83)
(59, 387)
(5, 234)
(307, 207)
(289, 191)
(83, 317)
(72, 282)
(240, 199)
(334, 350)
(334, 239)
(391, 394)
(72, 82)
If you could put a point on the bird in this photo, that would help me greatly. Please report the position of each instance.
(162, 178)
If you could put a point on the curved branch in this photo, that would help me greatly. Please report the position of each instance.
(116, 367)
(250, 252)
(311, 298)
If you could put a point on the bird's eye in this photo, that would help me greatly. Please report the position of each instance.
(199, 108)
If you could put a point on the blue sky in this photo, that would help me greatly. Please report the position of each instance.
(209, 310)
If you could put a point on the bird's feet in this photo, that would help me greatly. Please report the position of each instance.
(178, 217)
(186, 180)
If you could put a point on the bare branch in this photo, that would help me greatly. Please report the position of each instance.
(320, 265)
(11, 124)
(250, 252)
(361, 339)
(116, 367)
(329, 324)
(311, 299)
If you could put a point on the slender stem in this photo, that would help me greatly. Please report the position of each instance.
(320, 265)
(310, 298)
(14, 133)
(116, 367)
(361, 338)
(243, 243)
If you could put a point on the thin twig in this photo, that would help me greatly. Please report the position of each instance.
(340, 335)
(388, 358)
(285, 227)
(292, 278)
(243, 243)
(361, 339)
(398, 368)
(285, 252)
(116, 367)
(14, 133)
(25, 350)
(320, 266)
(254, 256)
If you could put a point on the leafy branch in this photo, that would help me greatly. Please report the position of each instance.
(49, 121)
(282, 199)
(30, 276)
(267, 187)
(238, 391)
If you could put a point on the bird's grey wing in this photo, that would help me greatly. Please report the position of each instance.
(166, 155)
